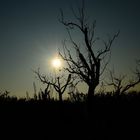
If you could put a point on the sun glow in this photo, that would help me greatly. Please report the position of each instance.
(56, 63)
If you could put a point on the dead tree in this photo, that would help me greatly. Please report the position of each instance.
(45, 95)
(90, 65)
(121, 84)
(59, 82)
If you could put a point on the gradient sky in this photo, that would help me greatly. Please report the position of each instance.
(30, 35)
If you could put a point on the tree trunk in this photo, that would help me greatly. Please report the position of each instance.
(90, 100)
(60, 97)
(91, 91)
(90, 109)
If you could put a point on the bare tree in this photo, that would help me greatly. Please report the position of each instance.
(90, 65)
(121, 84)
(58, 82)
(45, 95)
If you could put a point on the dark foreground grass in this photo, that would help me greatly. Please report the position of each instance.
(111, 117)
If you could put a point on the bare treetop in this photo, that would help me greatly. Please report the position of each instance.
(89, 68)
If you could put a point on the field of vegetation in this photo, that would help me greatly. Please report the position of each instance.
(109, 117)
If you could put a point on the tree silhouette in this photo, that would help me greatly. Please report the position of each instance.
(58, 82)
(90, 65)
(45, 95)
(120, 84)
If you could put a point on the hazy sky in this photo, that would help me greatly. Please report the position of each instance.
(30, 35)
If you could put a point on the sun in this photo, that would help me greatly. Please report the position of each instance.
(56, 63)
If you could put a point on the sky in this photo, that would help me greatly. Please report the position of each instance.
(30, 35)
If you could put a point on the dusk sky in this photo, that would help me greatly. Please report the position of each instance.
(30, 35)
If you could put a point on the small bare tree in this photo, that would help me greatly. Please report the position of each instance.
(119, 84)
(58, 82)
(45, 95)
(90, 65)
